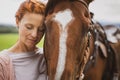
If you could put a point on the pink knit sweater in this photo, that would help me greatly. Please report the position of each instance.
(6, 68)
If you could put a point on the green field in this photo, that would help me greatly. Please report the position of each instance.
(7, 40)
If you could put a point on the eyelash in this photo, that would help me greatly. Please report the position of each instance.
(29, 27)
(41, 29)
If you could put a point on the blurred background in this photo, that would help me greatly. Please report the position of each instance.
(105, 11)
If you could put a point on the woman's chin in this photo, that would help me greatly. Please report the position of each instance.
(31, 45)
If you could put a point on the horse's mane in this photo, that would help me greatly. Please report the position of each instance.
(52, 3)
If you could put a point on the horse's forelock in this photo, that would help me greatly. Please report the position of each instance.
(52, 3)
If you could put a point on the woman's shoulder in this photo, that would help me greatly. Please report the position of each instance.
(5, 66)
(4, 58)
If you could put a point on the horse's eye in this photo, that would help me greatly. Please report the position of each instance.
(86, 15)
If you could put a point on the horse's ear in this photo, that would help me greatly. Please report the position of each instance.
(88, 1)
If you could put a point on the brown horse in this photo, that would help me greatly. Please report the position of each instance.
(67, 25)
(102, 64)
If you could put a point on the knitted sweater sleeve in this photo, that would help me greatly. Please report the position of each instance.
(3, 74)
(6, 70)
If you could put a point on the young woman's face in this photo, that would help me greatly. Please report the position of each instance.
(31, 29)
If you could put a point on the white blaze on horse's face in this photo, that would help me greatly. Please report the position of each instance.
(63, 19)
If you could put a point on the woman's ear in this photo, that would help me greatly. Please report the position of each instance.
(17, 22)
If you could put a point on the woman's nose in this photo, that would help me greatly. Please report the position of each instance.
(34, 33)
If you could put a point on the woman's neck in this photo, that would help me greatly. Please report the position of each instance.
(20, 47)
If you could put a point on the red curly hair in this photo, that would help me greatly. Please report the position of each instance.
(31, 6)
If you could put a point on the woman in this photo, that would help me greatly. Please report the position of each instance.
(25, 61)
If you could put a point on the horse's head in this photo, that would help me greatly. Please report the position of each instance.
(67, 24)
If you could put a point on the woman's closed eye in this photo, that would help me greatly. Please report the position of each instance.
(29, 26)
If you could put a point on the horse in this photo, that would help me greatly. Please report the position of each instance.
(102, 64)
(66, 38)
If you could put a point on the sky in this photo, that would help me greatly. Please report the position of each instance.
(104, 10)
